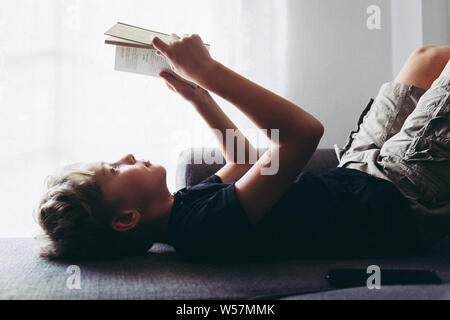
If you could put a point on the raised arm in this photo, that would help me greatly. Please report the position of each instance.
(299, 135)
(209, 110)
(299, 132)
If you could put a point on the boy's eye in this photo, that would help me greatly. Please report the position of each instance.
(113, 170)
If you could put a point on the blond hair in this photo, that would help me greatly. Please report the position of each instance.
(76, 221)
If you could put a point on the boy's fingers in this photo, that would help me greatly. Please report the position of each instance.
(160, 45)
(176, 83)
(170, 87)
(170, 79)
(173, 37)
(166, 76)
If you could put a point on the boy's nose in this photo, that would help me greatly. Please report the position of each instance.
(129, 158)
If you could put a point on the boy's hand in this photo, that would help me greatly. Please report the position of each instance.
(187, 57)
(194, 95)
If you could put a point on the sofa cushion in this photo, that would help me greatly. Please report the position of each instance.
(162, 274)
(191, 169)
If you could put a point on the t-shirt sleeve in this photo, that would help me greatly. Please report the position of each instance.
(212, 179)
(212, 227)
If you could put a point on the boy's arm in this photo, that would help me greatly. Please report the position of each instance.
(299, 135)
(299, 132)
(236, 164)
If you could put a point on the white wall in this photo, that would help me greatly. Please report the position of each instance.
(417, 23)
(435, 22)
(407, 31)
(335, 64)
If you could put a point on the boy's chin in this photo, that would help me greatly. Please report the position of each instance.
(160, 170)
(158, 167)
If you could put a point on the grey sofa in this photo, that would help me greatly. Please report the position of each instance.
(162, 274)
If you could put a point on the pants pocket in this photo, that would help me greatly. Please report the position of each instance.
(432, 143)
(428, 157)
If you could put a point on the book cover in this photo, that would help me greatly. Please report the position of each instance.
(138, 35)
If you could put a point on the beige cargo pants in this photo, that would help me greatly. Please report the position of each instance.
(404, 136)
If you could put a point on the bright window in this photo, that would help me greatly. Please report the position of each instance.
(62, 102)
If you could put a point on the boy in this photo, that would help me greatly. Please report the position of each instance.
(105, 210)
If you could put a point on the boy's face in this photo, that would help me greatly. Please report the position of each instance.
(129, 183)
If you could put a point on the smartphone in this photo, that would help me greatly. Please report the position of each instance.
(349, 277)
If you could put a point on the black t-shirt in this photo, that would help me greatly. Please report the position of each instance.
(343, 212)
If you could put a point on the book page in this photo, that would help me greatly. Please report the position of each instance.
(139, 60)
(143, 61)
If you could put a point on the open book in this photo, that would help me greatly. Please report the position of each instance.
(135, 52)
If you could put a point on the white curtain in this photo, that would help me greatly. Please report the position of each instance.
(62, 102)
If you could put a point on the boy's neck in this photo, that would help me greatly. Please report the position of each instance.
(159, 229)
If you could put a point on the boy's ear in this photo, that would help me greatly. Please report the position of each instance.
(126, 220)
